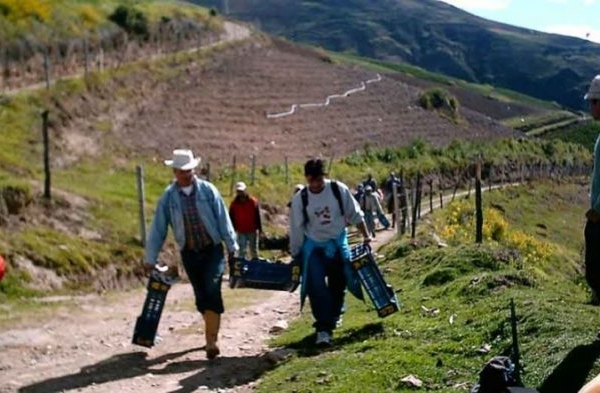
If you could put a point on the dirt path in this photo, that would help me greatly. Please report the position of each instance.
(85, 345)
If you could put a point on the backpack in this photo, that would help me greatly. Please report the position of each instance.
(496, 376)
(335, 188)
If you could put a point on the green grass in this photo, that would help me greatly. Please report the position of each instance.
(584, 134)
(473, 285)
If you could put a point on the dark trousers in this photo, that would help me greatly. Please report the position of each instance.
(326, 284)
(205, 271)
(592, 255)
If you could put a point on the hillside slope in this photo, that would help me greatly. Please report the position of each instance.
(435, 36)
(221, 109)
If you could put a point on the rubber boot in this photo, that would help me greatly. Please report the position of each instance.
(212, 322)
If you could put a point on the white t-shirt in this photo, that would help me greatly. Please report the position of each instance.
(325, 220)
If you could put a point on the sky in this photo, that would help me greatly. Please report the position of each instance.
(578, 18)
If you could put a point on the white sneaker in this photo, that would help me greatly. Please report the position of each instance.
(323, 338)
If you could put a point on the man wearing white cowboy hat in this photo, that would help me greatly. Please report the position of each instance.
(196, 212)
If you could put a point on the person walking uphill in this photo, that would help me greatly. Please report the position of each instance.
(244, 212)
(195, 211)
(318, 238)
(592, 227)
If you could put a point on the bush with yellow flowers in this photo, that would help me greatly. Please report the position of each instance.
(458, 227)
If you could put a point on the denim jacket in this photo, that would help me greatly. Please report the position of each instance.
(169, 212)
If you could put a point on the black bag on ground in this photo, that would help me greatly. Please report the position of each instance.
(498, 376)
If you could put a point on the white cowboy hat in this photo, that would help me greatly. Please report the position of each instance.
(240, 186)
(594, 90)
(183, 159)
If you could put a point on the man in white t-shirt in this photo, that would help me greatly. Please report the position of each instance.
(318, 237)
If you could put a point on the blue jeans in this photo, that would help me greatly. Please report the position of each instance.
(592, 255)
(205, 272)
(249, 240)
(326, 284)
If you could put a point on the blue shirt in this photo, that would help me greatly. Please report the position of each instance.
(169, 212)
(595, 192)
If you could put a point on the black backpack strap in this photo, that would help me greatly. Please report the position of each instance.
(304, 196)
(338, 195)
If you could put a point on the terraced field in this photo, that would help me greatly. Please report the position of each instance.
(220, 109)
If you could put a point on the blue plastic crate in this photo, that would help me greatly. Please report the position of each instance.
(381, 294)
(264, 274)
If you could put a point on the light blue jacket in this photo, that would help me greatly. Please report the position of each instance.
(595, 192)
(330, 247)
(169, 212)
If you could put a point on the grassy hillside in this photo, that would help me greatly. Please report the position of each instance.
(435, 36)
(455, 300)
(44, 22)
(88, 234)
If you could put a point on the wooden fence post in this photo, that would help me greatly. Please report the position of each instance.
(419, 195)
(441, 192)
(403, 202)
(47, 66)
(253, 170)
(233, 166)
(141, 202)
(478, 203)
(416, 204)
(396, 216)
(46, 142)
(490, 177)
(287, 171)
(430, 183)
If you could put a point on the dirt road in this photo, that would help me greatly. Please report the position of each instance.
(84, 345)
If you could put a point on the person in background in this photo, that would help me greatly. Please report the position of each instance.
(592, 227)
(2, 267)
(196, 213)
(319, 239)
(244, 212)
(391, 182)
(360, 191)
(370, 205)
(370, 182)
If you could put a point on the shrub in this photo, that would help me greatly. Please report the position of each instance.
(134, 22)
(440, 100)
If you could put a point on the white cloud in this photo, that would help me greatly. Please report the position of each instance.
(584, 32)
(481, 4)
(588, 2)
